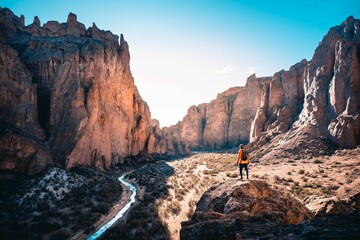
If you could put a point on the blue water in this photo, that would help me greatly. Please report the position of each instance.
(119, 214)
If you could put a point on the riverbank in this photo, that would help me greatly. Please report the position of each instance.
(143, 221)
(116, 208)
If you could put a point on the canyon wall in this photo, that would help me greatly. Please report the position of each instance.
(325, 97)
(225, 121)
(68, 98)
(319, 98)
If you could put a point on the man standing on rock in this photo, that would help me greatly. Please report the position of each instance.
(243, 160)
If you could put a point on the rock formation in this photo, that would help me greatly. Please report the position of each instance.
(321, 205)
(225, 121)
(234, 210)
(319, 99)
(244, 210)
(68, 98)
(330, 103)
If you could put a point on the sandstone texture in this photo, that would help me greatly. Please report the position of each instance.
(225, 121)
(321, 205)
(237, 210)
(252, 210)
(68, 98)
(315, 103)
(327, 114)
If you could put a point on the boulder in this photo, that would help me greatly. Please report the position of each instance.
(236, 210)
(321, 205)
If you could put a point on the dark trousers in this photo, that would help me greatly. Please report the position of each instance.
(246, 169)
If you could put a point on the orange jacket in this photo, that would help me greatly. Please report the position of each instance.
(240, 155)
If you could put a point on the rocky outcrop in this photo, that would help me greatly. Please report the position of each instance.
(321, 205)
(319, 99)
(234, 210)
(244, 210)
(330, 103)
(281, 102)
(225, 121)
(332, 85)
(68, 92)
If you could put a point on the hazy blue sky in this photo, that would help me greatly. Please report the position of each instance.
(184, 52)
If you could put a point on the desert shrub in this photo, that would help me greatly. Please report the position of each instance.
(190, 213)
(180, 193)
(333, 187)
(296, 189)
(301, 171)
(288, 179)
(232, 175)
(318, 161)
(166, 214)
(277, 179)
(174, 207)
(210, 172)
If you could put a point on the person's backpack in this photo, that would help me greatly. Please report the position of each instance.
(244, 156)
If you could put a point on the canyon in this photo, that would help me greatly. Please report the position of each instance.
(72, 121)
(314, 105)
(68, 98)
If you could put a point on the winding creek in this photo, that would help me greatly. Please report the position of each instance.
(133, 189)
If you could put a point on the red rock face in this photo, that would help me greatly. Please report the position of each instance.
(316, 98)
(332, 85)
(70, 90)
(281, 101)
(225, 121)
(330, 106)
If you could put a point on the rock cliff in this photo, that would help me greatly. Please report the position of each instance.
(327, 112)
(68, 98)
(225, 121)
(316, 101)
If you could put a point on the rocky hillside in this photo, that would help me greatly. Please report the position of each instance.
(252, 209)
(316, 102)
(68, 98)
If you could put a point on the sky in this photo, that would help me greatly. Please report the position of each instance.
(185, 52)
